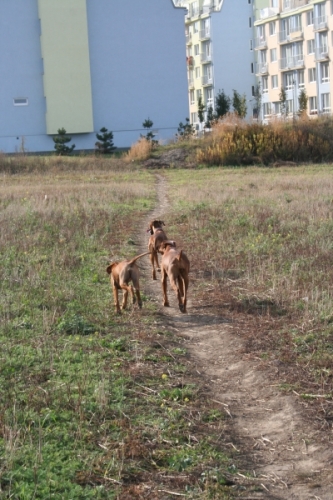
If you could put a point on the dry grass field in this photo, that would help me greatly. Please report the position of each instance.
(95, 405)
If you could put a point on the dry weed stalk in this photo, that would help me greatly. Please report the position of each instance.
(139, 151)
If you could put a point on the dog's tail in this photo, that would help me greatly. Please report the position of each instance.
(138, 257)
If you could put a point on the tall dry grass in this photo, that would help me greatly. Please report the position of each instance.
(139, 151)
(235, 142)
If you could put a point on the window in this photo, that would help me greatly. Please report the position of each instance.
(323, 43)
(197, 72)
(290, 106)
(192, 96)
(275, 82)
(209, 97)
(312, 75)
(326, 103)
(272, 28)
(300, 75)
(313, 105)
(199, 94)
(273, 55)
(196, 49)
(311, 46)
(252, 68)
(289, 80)
(250, 22)
(196, 27)
(194, 117)
(251, 44)
(20, 101)
(325, 72)
(295, 23)
(266, 107)
(264, 84)
(276, 108)
(309, 18)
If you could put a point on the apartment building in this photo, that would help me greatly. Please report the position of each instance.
(87, 64)
(293, 42)
(219, 51)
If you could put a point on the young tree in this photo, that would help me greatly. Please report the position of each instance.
(257, 99)
(201, 110)
(185, 130)
(283, 103)
(60, 142)
(147, 124)
(105, 144)
(302, 102)
(210, 117)
(239, 104)
(222, 104)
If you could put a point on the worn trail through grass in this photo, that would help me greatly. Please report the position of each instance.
(268, 432)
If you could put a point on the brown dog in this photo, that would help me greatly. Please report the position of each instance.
(121, 274)
(176, 266)
(154, 242)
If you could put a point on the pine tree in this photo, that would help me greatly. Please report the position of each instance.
(222, 104)
(60, 142)
(210, 117)
(239, 104)
(201, 110)
(302, 102)
(283, 103)
(105, 141)
(148, 124)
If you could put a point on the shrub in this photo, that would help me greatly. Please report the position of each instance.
(139, 151)
(234, 142)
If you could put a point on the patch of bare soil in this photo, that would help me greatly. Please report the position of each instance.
(274, 437)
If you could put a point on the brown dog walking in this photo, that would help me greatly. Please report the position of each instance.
(157, 237)
(121, 274)
(176, 266)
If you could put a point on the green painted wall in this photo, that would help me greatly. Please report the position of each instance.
(260, 4)
(65, 53)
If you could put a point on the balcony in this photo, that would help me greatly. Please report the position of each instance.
(191, 83)
(292, 62)
(188, 38)
(205, 58)
(321, 53)
(261, 68)
(268, 12)
(293, 4)
(320, 23)
(204, 34)
(206, 80)
(260, 43)
(291, 36)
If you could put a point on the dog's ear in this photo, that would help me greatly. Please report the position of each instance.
(109, 268)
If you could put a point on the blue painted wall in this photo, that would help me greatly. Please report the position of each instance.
(138, 70)
(232, 56)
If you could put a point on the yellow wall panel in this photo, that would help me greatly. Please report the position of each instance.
(65, 52)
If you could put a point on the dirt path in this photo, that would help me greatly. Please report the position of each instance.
(290, 457)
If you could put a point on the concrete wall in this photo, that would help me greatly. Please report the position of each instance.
(137, 70)
(231, 35)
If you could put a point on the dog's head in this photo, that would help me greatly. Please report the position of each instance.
(154, 225)
(166, 244)
(110, 266)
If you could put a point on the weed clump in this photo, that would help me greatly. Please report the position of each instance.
(235, 142)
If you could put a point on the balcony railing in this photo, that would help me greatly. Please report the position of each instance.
(205, 58)
(291, 62)
(291, 36)
(320, 23)
(261, 68)
(207, 80)
(188, 39)
(260, 43)
(293, 4)
(321, 53)
(204, 34)
(268, 12)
